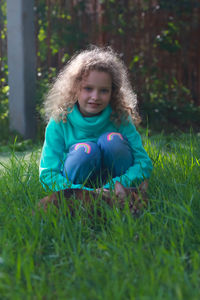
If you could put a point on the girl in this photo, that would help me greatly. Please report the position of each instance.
(90, 138)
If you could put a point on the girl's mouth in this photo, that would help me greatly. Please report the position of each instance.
(94, 104)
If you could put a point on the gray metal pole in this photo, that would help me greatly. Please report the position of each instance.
(21, 66)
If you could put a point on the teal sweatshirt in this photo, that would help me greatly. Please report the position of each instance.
(59, 137)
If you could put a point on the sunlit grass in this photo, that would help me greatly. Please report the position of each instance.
(54, 256)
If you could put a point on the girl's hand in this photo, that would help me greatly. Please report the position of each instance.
(100, 190)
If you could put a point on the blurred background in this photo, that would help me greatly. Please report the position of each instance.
(158, 40)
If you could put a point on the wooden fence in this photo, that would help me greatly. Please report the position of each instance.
(159, 40)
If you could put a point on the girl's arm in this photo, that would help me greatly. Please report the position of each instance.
(142, 166)
(51, 162)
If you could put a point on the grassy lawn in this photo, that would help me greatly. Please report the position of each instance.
(155, 256)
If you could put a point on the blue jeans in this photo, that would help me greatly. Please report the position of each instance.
(95, 163)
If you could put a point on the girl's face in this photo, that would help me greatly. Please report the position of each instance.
(95, 93)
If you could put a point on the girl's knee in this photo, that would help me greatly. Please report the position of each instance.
(82, 160)
(112, 141)
(116, 152)
(85, 151)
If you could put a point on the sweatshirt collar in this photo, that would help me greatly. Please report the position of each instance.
(89, 123)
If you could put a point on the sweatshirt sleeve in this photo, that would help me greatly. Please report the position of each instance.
(142, 166)
(51, 162)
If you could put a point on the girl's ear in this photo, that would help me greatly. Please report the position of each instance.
(120, 190)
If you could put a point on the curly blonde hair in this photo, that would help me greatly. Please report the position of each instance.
(63, 93)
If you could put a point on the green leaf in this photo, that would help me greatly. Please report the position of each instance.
(134, 60)
(5, 89)
(41, 34)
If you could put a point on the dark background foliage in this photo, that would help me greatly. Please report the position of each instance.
(158, 40)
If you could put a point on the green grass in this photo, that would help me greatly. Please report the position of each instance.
(155, 256)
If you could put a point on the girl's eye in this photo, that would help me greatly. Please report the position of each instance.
(104, 91)
(87, 88)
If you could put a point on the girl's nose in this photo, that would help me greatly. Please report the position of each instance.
(95, 95)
